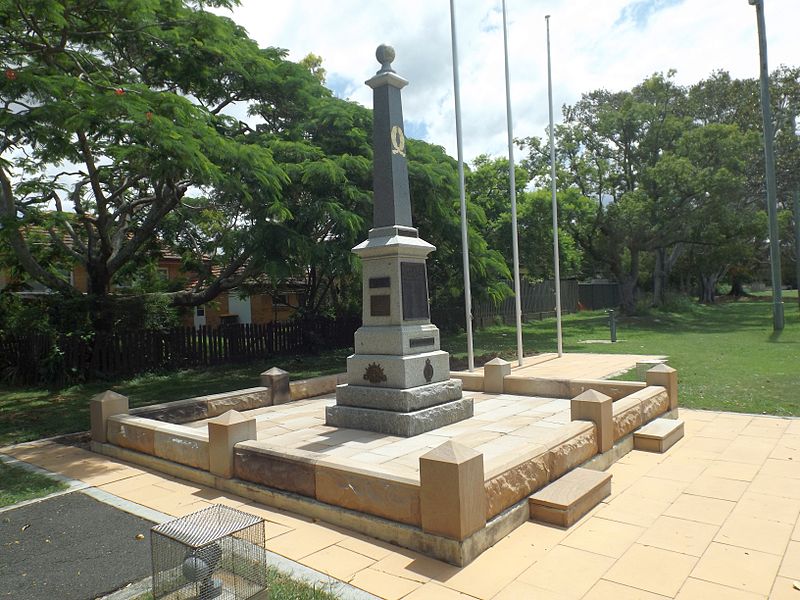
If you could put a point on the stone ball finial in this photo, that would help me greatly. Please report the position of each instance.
(385, 55)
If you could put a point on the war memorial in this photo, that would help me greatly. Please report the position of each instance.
(399, 447)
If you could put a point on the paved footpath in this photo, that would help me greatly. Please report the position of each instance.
(715, 517)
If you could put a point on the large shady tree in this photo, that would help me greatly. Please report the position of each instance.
(115, 142)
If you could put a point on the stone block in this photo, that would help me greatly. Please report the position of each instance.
(224, 432)
(452, 494)
(512, 482)
(316, 386)
(614, 389)
(130, 432)
(399, 400)
(577, 445)
(666, 377)
(277, 380)
(397, 340)
(654, 402)
(183, 445)
(566, 500)
(396, 423)
(627, 416)
(382, 495)
(593, 406)
(493, 373)
(399, 372)
(178, 411)
(101, 407)
(470, 382)
(532, 386)
(643, 366)
(658, 435)
(252, 462)
(246, 399)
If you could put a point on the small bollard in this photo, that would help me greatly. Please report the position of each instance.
(612, 323)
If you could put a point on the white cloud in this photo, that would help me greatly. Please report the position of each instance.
(613, 44)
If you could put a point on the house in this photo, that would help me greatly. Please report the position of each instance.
(229, 307)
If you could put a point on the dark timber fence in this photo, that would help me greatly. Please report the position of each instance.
(538, 301)
(38, 358)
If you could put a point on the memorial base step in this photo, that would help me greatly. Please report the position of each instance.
(658, 435)
(570, 497)
(403, 424)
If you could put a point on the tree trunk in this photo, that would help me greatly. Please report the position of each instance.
(662, 271)
(737, 289)
(659, 278)
(708, 288)
(629, 284)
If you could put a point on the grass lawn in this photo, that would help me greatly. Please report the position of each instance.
(30, 413)
(727, 359)
(20, 484)
(282, 587)
(727, 356)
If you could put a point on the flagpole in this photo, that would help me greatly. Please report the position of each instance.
(513, 191)
(461, 189)
(556, 260)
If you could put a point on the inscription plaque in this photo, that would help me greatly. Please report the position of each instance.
(419, 342)
(379, 282)
(414, 283)
(380, 306)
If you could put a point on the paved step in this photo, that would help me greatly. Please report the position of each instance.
(567, 499)
(658, 435)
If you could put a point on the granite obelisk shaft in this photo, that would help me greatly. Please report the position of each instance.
(392, 201)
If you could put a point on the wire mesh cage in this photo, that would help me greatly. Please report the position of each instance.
(217, 552)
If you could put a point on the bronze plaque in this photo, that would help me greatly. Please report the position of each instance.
(380, 306)
(414, 283)
(379, 282)
(421, 342)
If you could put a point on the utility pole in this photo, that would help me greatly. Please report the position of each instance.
(769, 164)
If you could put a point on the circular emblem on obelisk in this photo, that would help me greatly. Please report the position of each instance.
(374, 373)
(398, 141)
(428, 370)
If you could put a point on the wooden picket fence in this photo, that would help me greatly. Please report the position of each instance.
(37, 358)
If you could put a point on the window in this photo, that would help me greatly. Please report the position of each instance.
(163, 273)
(280, 299)
(200, 311)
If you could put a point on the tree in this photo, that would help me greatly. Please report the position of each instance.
(487, 188)
(436, 210)
(116, 112)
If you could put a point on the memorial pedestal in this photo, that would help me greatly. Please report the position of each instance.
(398, 380)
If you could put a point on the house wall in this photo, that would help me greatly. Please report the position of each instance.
(262, 310)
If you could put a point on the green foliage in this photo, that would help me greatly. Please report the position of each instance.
(116, 111)
(676, 178)
(436, 211)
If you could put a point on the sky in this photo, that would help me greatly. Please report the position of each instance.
(610, 44)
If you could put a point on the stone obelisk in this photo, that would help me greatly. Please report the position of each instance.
(398, 380)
